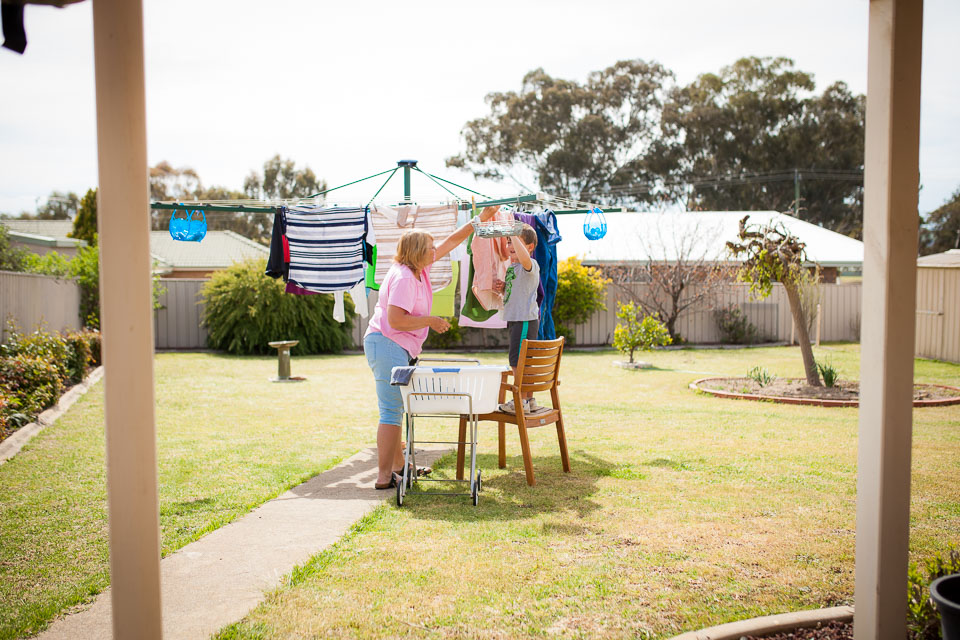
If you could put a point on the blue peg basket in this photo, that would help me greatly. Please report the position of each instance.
(188, 228)
(595, 225)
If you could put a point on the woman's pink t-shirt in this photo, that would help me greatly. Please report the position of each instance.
(401, 288)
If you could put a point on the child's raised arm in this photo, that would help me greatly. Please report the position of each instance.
(523, 256)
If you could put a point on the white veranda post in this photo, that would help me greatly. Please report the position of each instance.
(889, 290)
(127, 319)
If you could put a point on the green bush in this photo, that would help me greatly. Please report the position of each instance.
(78, 355)
(244, 310)
(31, 384)
(581, 292)
(48, 347)
(632, 333)
(94, 342)
(923, 620)
(828, 372)
(735, 327)
(442, 341)
(761, 376)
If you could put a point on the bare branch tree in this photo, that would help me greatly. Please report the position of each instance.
(679, 267)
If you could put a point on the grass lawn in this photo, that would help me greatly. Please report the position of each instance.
(682, 510)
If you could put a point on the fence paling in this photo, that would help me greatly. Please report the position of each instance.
(36, 301)
(178, 325)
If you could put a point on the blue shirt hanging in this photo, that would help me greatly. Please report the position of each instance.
(595, 225)
(188, 229)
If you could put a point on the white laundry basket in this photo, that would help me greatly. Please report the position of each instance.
(482, 382)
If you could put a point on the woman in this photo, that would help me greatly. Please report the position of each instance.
(400, 323)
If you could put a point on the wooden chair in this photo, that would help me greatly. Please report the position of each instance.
(538, 369)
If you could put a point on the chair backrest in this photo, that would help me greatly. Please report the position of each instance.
(539, 364)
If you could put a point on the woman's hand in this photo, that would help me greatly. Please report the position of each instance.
(439, 324)
(487, 213)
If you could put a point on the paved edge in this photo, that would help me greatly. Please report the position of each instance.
(770, 624)
(217, 580)
(19, 438)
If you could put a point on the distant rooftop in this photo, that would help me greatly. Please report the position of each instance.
(52, 233)
(217, 250)
(642, 236)
(949, 259)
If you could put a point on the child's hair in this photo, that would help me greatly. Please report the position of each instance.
(528, 235)
(413, 249)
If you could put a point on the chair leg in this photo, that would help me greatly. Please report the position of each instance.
(502, 445)
(461, 447)
(562, 437)
(525, 447)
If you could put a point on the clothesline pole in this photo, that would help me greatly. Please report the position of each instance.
(407, 165)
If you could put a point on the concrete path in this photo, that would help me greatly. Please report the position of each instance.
(218, 579)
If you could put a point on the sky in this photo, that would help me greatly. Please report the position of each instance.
(350, 88)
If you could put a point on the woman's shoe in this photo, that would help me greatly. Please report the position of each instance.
(387, 485)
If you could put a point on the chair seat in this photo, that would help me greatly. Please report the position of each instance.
(539, 418)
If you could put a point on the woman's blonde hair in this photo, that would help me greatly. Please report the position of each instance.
(414, 249)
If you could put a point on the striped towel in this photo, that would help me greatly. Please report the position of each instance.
(326, 246)
(391, 223)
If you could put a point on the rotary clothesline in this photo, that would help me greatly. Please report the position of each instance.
(560, 204)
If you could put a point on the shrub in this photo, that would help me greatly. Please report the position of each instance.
(735, 327)
(94, 342)
(85, 268)
(761, 376)
(581, 292)
(245, 310)
(452, 338)
(30, 384)
(49, 347)
(829, 373)
(633, 333)
(923, 620)
(78, 355)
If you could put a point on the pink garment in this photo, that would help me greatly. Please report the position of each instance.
(401, 288)
(494, 322)
(490, 262)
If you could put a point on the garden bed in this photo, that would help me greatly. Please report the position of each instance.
(846, 393)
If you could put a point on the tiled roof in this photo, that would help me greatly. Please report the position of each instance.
(217, 250)
(54, 229)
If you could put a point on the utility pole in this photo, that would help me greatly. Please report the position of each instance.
(796, 193)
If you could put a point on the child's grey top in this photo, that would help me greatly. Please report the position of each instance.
(520, 292)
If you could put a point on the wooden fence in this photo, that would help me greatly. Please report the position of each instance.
(177, 325)
(34, 301)
(938, 313)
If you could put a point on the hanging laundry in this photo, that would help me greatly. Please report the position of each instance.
(443, 300)
(326, 246)
(278, 264)
(471, 313)
(530, 219)
(358, 294)
(490, 261)
(548, 235)
(389, 223)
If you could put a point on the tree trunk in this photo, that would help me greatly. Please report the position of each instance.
(803, 337)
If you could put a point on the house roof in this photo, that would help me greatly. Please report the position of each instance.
(218, 250)
(948, 259)
(642, 236)
(50, 233)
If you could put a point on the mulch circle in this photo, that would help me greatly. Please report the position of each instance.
(826, 631)
(789, 391)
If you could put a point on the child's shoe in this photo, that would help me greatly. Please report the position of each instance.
(530, 405)
(507, 407)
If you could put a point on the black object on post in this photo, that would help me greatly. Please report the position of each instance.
(946, 593)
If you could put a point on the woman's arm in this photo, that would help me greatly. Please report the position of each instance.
(454, 239)
(401, 320)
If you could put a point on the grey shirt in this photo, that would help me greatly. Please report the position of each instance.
(520, 292)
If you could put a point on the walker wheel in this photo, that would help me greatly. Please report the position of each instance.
(400, 494)
(475, 495)
(479, 482)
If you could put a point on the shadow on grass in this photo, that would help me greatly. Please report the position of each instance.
(505, 493)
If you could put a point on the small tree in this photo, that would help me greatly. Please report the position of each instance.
(581, 292)
(85, 223)
(770, 253)
(634, 333)
(678, 269)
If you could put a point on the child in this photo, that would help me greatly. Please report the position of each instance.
(520, 308)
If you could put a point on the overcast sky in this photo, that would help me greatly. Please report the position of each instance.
(350, 88)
